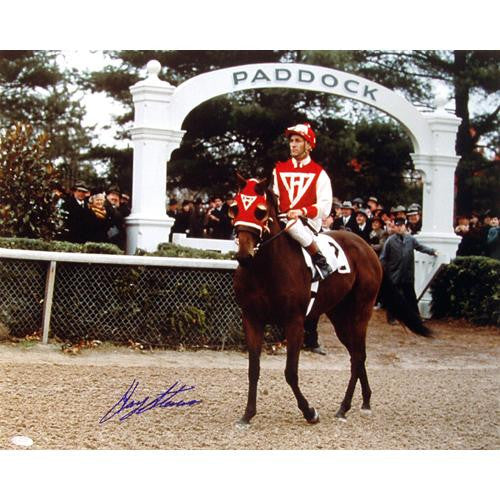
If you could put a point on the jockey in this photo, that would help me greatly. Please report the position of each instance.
(303, 189)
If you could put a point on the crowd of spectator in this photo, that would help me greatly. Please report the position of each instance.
(369, 219)
(202, 220)
(92, 215)
(479, 233)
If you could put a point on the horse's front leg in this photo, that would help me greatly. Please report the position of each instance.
(294, 332)
(254, 333)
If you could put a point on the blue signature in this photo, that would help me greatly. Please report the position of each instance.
(163, 400)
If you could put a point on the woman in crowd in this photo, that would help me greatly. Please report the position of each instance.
(98, 223)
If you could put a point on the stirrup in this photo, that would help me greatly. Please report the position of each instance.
(322, 267)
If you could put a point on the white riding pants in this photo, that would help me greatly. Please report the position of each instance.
(301, 233)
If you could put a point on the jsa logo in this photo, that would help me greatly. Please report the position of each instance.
(296, 185)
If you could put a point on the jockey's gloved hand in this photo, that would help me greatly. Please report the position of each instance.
(283, 220)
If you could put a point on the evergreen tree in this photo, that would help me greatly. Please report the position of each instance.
(473, 74)
(244, 130)
(35, 91)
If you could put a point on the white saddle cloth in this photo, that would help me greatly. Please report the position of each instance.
(335, 256)
(333, 252)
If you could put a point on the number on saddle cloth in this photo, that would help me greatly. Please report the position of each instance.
(334, 255)
(336, 252)
(333, 252)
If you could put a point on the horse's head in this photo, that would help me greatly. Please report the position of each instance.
(250, 213)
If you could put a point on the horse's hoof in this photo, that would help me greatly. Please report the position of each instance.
(365, 412)
(314, 419)
(242, 424)
(340, 415)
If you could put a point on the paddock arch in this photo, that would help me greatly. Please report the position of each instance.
(160, 110)
(203, 87)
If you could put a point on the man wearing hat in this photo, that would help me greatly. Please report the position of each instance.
(378, 234)
(399, 212)
(372, 204)
(125, 209)
(363, 224)
(336, 208)
(398, 261)
(347, 220)
(304, 189)
(78, 214)
(116, 231)
(414, 218)
(357, 203)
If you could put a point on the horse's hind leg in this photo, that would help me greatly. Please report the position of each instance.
(365, 389)
(350, 326)
(254, 334)
(294, 338)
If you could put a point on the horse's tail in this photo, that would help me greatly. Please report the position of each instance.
(395, 303)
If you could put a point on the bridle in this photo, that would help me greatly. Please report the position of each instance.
(259, 232)
(263, 242)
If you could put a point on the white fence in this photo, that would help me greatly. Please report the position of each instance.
(157, 301)
(151, 300)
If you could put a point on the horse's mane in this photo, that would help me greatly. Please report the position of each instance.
(273, 199)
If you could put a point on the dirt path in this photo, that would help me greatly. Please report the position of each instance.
(440, 393)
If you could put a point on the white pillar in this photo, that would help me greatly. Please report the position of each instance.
(153, 142)
(438, 168)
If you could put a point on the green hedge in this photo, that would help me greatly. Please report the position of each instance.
(171, 250)
(469, 287)
(164, 249)
(59, 246)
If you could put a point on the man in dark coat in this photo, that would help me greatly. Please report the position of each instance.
(493, 239)
(116, 232)
(226, 225)
(363, 224)
(77, 213)
(197, 220)
(472, 238)
(125, 204)
(347, 219)
(398, 260)
(183, 218)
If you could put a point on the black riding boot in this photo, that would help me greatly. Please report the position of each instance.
(319, 262)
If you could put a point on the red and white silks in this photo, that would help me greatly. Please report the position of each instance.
(303, 186)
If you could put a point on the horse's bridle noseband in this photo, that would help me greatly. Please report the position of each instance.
(260, 242)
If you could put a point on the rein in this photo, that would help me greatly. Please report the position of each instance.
(263, 243)
(284, 230)
(272, 238)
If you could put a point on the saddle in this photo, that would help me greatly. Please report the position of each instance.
(334, 255)
(333, 252)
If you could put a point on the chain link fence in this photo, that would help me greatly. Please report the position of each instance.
(154, 301)
(22, 285)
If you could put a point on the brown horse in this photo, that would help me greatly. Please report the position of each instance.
(272, 286)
